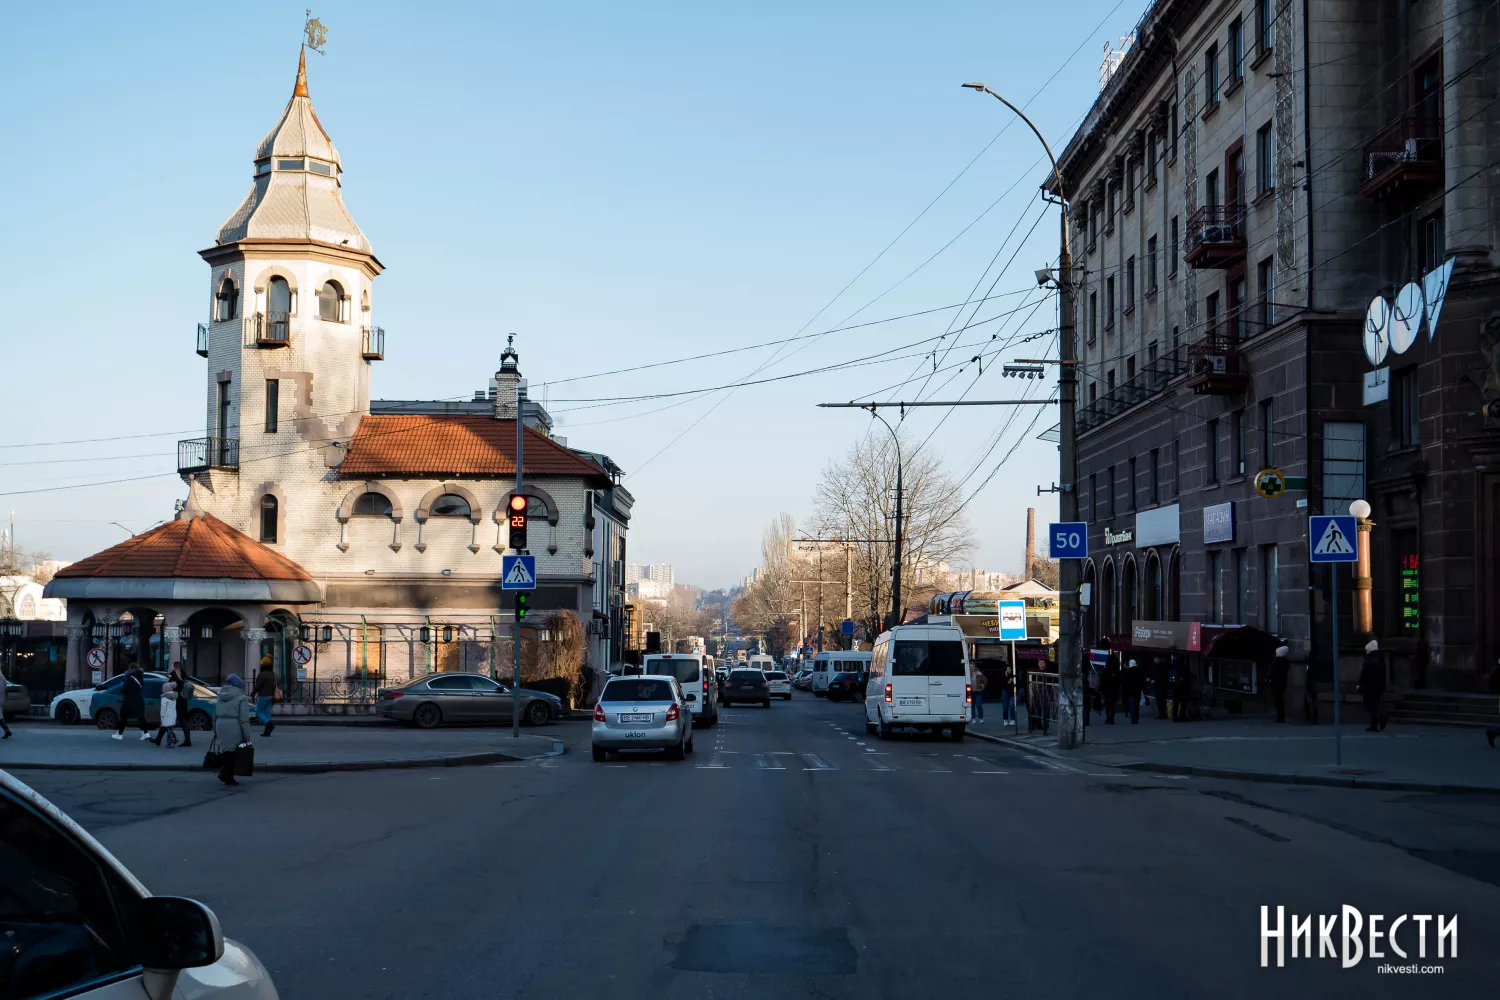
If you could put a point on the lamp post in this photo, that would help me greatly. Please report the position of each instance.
(1364, 602)
(1070, 706)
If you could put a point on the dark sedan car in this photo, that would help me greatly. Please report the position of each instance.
(745, 685)
(848, 685)
(454, 697)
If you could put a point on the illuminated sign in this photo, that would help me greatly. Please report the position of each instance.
(1411, 602)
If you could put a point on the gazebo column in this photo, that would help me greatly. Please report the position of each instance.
(76, 674)
(255, 634)
(174, 631)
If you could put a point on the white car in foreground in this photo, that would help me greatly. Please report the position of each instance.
(78, 924)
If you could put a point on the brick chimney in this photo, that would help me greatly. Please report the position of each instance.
(507, 382)
(1030, 541)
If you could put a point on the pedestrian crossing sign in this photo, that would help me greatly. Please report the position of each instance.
(518, 572)
(1332, 539)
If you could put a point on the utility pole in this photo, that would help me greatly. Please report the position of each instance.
(515, 687)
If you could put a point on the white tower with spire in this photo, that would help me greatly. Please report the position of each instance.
(291, 337)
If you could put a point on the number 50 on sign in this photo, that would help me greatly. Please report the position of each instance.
(1068, 539)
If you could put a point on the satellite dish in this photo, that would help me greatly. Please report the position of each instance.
(1406, 317)
(1377, 336)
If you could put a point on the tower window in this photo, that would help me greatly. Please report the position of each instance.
(273, 404)
(268, 511)
(333, 304)
(288, 164)
(372, 505)
(227, 301)
(449, 505)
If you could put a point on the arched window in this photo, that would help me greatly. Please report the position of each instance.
(332, 304)
(1107, 600)
(268, 512)
(1154, 606)
(372, 505)
(1127, 593)
(227, 301)
(449, 505)
(278, 309)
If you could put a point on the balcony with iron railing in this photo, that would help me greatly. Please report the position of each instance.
(1148, 382)
(1215, 367)
(1404, 157)
(202, 454)
(1215, 236)
(269, 329)
(203, 340)
(372, 343)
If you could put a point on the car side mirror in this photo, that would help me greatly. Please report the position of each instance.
(169, 933)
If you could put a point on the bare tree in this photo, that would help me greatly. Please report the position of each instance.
(855, 498)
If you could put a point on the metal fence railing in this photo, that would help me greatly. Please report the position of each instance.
(1041, 701)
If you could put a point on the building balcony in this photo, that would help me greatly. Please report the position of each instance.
(202, 340)
(269, 329)
(1215, 368)
(1149, 381)
(1404, 157)
(202, 454)
(372, 343)
(1215, 236)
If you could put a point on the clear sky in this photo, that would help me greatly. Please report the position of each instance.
(619, 184)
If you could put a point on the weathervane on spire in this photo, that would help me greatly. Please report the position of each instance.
(315, 35)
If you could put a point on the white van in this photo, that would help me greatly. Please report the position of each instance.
(761, 662)
(695, 672)
(920, 677)
(832, 661)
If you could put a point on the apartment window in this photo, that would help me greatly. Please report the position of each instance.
(1176, 340)
(1235, 187)
(1406, 407)
(1130, 284)
(1110, 192)
(1172, 249)
(227, 301)
(1343, 464)
(1236, 52)
(1151, 159)
(1109, 303)
(1093, 393)
(1155, 476)
(1240, 592)
(1109, 380)
(1234, 288)
(268, 510)
(1211, 313)
(1267, 433)
(1130, 487)
(1174, 131)
(1215, 590)
(1129, 185)
(1093, 316)
(1213, 451)
(1151, 362)
(1270, 590)
(1265, 280)
(221, 420)
(1109, 480)
(1096, 499)
(1265, 159)
(1211, 76)
(1430, 242)
(1237, 429)
(1427, 88)
(1130, 369)
(1176, 468)
(1151, 265)
(1264, 13)
(273, 402)
(1211, 189)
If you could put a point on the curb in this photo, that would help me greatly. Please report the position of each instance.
(1030, 748)
(309, 767)
(1328, 780)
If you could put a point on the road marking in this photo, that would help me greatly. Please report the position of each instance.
(989, 772)
(878, 765)
(762, 763)
(817, 763)
(1055, 765)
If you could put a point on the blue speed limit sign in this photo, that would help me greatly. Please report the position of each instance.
(1068, 539)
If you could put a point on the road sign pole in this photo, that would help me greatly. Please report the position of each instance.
(515, 688)
(1338, 746)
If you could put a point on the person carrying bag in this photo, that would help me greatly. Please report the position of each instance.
(235, 756)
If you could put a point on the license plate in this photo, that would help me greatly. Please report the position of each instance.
(909, 702)
(635, 718)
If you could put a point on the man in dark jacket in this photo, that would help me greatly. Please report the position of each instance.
(1280, 669)
(1372, 685)
(179, 678)
(1132, 683)
(133, 702)
(1109, 687)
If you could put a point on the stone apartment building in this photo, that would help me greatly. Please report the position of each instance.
(1252, 174)
(369, 532)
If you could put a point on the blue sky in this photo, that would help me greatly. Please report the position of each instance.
(618, 184)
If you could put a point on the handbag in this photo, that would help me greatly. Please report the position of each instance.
(244, 760)
(213, 758)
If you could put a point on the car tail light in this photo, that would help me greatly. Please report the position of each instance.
(705, 685)
(392, 694)
(969, 694)
(598, 713)
(887, 694)
(671, 713)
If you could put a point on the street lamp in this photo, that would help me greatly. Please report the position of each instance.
(1070, 705)
(1364, 602)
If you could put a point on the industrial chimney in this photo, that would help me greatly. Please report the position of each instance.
(1030, 541)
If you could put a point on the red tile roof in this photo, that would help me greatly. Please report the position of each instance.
(192, 547)
(420, 444)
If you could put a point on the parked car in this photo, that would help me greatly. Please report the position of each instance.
(920, 677)
(75, 706)
(780, 684)
(642, 713)
(695, 675)
(79, 924)
(746, 684)
(17, 699)
(848, 685)
(803, 679)
(438, 698)
(105, 702)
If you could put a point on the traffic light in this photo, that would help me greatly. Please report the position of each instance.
(522, 599)
(518, 508)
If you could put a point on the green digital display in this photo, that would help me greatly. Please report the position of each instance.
(1411, 606)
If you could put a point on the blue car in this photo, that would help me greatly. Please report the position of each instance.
(104, 706)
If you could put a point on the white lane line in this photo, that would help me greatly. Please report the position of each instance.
(878, 765)
(816, 762)
(977, 760)
(765, 765)
(1056, 765)
(989, 772)
(711, 767)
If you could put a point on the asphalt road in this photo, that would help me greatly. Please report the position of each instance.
(793, 856)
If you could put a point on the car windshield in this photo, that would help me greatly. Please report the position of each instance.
(775, 675)
(643, 690)
(929, 658)
(747, 675)
(684, 668)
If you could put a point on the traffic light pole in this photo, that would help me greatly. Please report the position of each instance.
(515, 687)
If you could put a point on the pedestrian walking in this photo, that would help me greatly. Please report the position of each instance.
(168, 727)
(1132, 683)
(133, 702)
(1280, 668)
(1109, 687)
(265, 694)
(1494, 731)
(1372, 685)
(977, 691)
(231, 724)
(1007, 696)
(179, 678)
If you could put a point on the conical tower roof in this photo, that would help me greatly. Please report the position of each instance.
(295, 192)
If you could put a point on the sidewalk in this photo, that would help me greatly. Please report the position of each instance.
(1403, 758)
(307, 750)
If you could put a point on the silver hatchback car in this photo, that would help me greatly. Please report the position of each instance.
(647, 712)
